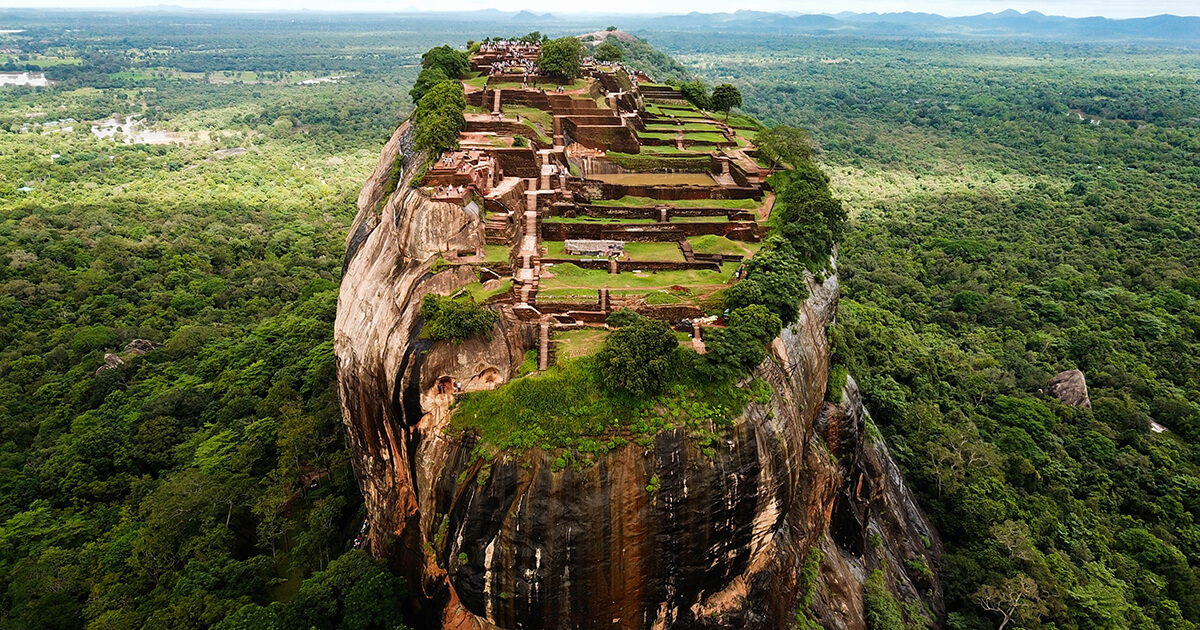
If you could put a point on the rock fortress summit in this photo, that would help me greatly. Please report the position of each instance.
(523, 465)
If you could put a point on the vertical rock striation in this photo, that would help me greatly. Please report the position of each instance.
(717, 541)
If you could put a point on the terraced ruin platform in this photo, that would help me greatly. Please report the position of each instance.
(611, 157)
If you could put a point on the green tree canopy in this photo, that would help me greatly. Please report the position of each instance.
(638, 357)
(788, 145)
(607, 52)
(725, 97)
(453, 63)
(456, 320)
(439, 117)
(428, 78)
(562, 57)
(696, 93)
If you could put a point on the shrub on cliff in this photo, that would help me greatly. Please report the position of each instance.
(882, 609)
(807, 214)
(696, 93)
(789, 145)
(452, 63)
(439, 64)
(425, 81)
(778, 274)
(758, 321)
(562, 57)
(456, 320)
(733, 351)
(638, 357)
(439, 117)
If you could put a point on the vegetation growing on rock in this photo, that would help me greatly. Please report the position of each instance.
(455, 320)
(439, 117)
(638, 356)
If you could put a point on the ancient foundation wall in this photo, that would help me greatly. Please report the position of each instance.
(647, 212)
(517, 162)
(604, 137)
(630, 265)
(593, 189)
(647, 232)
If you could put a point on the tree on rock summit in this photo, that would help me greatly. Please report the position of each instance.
(562, 58)
(725, 97)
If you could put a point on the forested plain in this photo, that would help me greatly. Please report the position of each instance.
(1017, 209)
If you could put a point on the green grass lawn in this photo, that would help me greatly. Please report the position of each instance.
(568, 276)
(534, 131)
(738, 121)
(568, 405)
(638, 202)
(568, 295)
(683, 113)
(713, 244)
(658, 136)
(696, 151)
(529, 113)
(657, 126)
(496, 253)
(593, 219)
(665, 252)
(718, 219)
(579, 343)
(705, 137)
(514, 81)
(638, 251)
(477, 293)
(478, 82)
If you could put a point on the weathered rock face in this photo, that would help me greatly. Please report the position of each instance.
(1070, 387)
(719, 541)
(875, 524)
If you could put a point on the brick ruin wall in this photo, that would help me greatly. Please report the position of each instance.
(593, 189)
(648, 232)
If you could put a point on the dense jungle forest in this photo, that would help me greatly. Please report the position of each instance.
(1018, 208)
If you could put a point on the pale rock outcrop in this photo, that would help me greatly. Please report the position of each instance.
(1070, 387)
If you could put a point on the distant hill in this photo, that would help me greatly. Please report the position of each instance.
(1010, 23)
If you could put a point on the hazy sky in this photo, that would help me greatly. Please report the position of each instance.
(1073, 8)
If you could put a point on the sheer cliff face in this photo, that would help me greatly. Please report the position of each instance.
(719, 541)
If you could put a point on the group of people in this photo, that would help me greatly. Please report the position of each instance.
(511, 47)
(449, 191)
(446, 386)
(500, 67)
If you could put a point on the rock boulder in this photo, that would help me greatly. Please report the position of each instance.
(1071, 388)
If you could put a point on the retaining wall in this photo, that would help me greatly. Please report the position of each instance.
(649, 232)
(592, 189)
(517, 162)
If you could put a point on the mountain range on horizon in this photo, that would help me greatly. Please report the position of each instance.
(1165, 28)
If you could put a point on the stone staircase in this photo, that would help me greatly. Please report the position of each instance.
(686, 248)
(496, 230)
